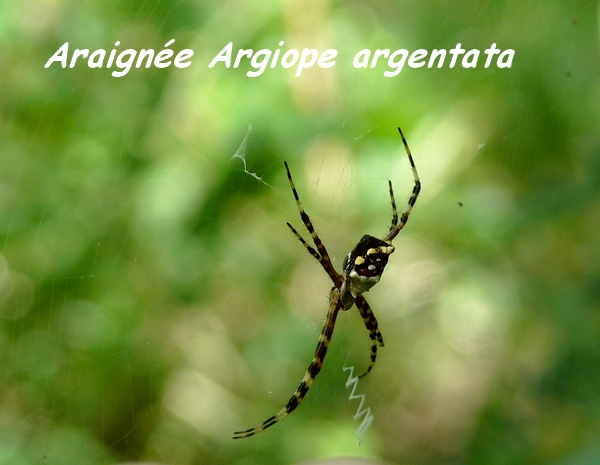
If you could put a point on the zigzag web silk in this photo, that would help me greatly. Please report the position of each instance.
(368, 417)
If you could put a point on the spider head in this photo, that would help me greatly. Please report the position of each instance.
(363, 268)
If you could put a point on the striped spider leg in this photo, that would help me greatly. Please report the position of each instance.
(362, 269)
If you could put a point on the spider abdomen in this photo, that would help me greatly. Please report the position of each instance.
(363, 267)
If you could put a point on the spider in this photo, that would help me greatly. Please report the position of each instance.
(362, 269)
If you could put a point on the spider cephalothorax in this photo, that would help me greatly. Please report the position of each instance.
(362, 269)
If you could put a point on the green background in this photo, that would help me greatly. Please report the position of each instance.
(153, 300)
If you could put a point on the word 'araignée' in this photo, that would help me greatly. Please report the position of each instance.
(124, 60)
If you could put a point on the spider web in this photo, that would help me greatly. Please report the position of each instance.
(152, 300)
(241, 154)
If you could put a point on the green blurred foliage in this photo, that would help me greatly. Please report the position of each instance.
(152, 300)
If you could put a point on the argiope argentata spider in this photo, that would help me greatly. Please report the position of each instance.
(362, 269)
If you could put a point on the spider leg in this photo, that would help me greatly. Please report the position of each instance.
(394, 208)
(372, 326)
(321, 253)
(310, 375)
(336, 278)
(396, 227)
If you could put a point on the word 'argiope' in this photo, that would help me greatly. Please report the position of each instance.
(362, 269)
